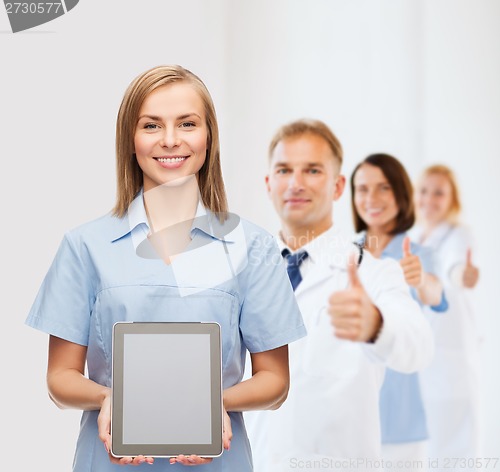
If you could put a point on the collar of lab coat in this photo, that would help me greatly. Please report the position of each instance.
(329, 252)
(436, 236)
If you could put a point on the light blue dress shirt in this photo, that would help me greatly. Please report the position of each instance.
(230, 273)
(402, 414)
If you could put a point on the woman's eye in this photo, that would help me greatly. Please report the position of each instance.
(314, 171)
(188, 124)
(282, 171)
(150, 126)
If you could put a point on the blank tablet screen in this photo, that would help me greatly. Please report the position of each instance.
(165, 378)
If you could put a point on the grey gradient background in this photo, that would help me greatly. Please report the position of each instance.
(418, 79)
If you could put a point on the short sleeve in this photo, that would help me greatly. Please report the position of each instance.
(64, 302)
(270, 316)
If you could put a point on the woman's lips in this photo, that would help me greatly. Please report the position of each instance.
(374, 211)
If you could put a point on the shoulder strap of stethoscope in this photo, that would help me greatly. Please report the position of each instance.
(361, 251)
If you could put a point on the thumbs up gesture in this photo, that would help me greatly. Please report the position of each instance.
(353, 315)
(411, 265)
(470, 275)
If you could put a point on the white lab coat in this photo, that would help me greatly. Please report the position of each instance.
(332, 410)
(450, 385)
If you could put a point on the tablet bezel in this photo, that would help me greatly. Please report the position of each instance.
(118, 448)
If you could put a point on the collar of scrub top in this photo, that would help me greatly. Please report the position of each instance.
(395, 247)
(205, 224)
(331, 248)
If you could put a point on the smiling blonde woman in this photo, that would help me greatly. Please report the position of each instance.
(450, 384)
(200, 264)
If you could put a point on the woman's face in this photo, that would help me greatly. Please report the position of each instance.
(171, 134)
(434, 198)
(374, 199)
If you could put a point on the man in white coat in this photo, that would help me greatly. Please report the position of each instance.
(358, 312)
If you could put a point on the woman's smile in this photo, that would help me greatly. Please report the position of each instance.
(173, 162)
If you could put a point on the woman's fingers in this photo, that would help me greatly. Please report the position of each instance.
(104, 428)
(104, 423)
(227, 433)
(190, 460)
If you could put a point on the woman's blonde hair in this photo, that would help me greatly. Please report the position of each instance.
(129, 174)
(455, 206)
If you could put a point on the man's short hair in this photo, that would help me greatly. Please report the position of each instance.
(302, 127)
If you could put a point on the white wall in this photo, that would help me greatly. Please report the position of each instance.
(415, 79)
(418, 79)
(356, 65)
(461, 124)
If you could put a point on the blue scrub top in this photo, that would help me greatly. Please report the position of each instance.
(234, 276)
(402, 414)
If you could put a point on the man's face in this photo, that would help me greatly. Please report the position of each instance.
(304, 181)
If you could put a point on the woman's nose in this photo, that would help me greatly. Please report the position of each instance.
(170, 137)
(371, 196)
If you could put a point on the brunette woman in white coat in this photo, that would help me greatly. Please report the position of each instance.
(383, 211)
(450, 384)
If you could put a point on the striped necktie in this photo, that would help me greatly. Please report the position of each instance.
(293, 262)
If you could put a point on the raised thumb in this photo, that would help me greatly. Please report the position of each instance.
(469, 256)
(406, 247)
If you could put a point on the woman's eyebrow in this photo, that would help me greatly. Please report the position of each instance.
(181, 117)
(188, 115)
(150, 117)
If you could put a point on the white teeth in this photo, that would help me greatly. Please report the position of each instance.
(170, 159)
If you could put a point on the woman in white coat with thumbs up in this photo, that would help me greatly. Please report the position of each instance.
(450, 383)
(383, 210)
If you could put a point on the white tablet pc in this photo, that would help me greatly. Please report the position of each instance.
(166, 389)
